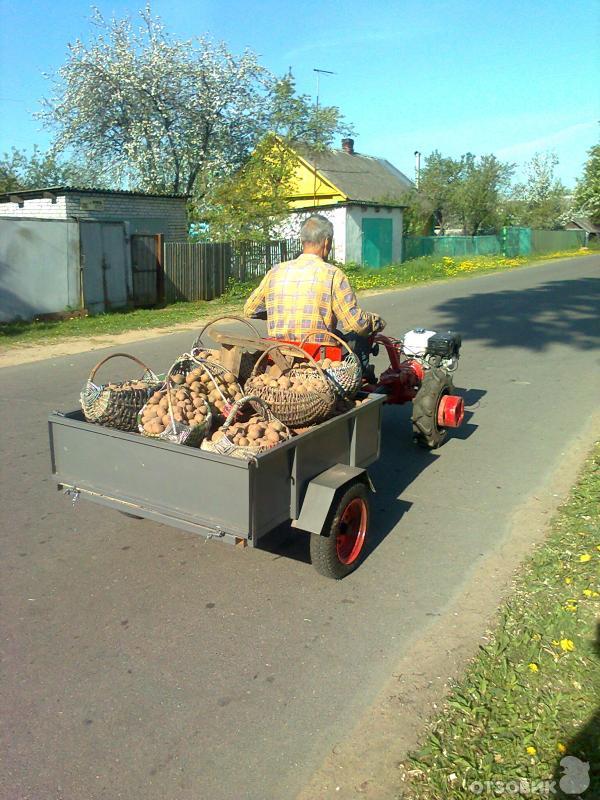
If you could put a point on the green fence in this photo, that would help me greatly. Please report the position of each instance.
(417, 246)
(510, 242)
(551, 241)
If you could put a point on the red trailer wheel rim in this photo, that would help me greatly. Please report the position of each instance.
(352, 530)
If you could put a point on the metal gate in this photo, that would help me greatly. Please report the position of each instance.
(376, 242)
(104, 265)
(146, 267)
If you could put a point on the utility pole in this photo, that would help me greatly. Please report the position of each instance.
(319, 73)
(417, 168)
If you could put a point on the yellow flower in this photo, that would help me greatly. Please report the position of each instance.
(561, 748)
(531, 751)
(570, 605)
(585, 557)
(533, 667)
(568, 580)
(590, 593)
(566, 645)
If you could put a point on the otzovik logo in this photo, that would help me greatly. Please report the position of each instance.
(576, 777)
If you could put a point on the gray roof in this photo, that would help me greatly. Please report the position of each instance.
(586, 224)
(58, 190)
(360, 177)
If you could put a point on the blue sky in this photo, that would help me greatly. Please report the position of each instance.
(509, 78)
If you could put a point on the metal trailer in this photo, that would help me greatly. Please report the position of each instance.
(317, 480)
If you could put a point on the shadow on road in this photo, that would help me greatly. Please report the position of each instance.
(533, 318)
(400, 463)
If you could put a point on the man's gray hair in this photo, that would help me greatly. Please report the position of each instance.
(316, 229)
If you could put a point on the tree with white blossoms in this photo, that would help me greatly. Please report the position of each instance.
(154, 113)
(587, 193)
(539, 202)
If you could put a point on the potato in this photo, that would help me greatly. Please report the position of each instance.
(276, 425)
(196, 386)
(217, 436)
(178, 378)
(243, 442)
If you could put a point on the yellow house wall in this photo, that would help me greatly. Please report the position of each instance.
(307, 191)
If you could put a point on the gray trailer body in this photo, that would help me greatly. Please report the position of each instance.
(216, 496)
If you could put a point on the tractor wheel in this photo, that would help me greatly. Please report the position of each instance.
(339, 549)
(426, 431)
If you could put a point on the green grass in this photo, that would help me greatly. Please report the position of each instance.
(421, 270)
(531, 696)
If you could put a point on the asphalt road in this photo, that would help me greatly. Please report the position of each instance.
(140, 662)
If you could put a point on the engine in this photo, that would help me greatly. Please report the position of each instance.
(433, 349)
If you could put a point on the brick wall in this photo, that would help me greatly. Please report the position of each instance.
(166, 215)
(36, 208)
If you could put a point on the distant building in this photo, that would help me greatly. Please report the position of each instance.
(584, 224)
(67, 248)
(361, 195)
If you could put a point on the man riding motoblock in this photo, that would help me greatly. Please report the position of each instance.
(308, 293)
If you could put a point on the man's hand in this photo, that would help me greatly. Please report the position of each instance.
(377, 322)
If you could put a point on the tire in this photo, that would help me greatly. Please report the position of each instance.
(340, 548)
(426, 431)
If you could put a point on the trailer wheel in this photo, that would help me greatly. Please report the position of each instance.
(339, 549)
(426, 431)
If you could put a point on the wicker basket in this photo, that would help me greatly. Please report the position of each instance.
(226, 447)
(292, 408)
(346, 379)
(248, 359)
(117, 405)
(178, 432)
(186, 363)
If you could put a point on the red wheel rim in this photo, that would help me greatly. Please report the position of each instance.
(352, 530)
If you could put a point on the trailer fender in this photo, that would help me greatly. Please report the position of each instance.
(321, 492)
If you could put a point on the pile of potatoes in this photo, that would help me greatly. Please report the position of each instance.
(298, 380)
(327, 363)
(126, 385)
(201, 385)
(255, 432)
(188, 408)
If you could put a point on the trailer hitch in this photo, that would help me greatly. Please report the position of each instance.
(73, 493)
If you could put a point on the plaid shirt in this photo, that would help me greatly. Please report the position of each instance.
(305, 294)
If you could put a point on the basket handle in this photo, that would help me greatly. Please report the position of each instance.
(288, 347)
(198, 339)
(332, 335)
(118, 355)
(267, 414)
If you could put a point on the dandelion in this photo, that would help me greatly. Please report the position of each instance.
(531, 751)
(566, 645)
(570, 605)
(533, 667)
(590, 593)
(568, 581)
(585, 557)
(561, 748)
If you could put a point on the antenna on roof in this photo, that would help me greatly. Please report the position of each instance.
(319, 73)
